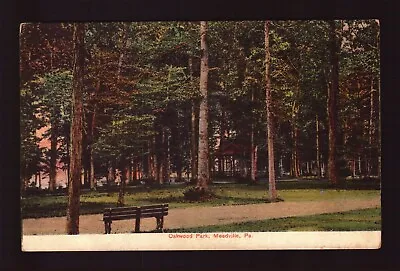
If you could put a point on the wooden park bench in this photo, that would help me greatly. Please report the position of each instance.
(135, 212)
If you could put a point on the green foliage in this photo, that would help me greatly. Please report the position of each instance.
(124, 138)
(31, 156)
(138, 81)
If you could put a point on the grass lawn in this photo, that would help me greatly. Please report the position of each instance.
(358, 220)
(93, 202)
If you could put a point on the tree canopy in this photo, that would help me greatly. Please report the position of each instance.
(141, 90)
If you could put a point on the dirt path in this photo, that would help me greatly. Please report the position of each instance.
(201, 216)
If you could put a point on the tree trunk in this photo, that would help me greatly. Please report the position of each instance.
(379, 115)
(159, 158)
(68, 140)
(91, 172)
(122, 185)
(221, 161)
(40, 180)
(253, 148)
(270, 125)
(92, 123)
(379, 129)
(254, 164)
(132, 170)
(165, 156)
(53, 153)
(332, 105)
(179, 173)
(156, 163)
(318, 148)
(125, 39)
(150, 160)
(295, 172)
(194, 132)
(72, 226)
(23, 178)
(85, 175)
(110, 175)
(203, 161)
(372, 127)
(253, 167)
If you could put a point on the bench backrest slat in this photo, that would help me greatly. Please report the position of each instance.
(154, 206)
(116, 211)
(119, 217)
(120, 213)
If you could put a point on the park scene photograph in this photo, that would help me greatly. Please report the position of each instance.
(201, 130)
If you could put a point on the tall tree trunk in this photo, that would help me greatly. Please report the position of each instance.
(165, 156)
(252, 156)
(151, 159)
(72, 226)
(68, 140)
(221, 162)
(253, 148)
(156, 169)
(379, 129)
(379, 113)
(92, 123)
(132, 169)
(332, 105)
(179, 173)
(40, 180)
(85, 175)
(296, 153)
(23, 177)
(270, 124)
(194, 130)
(203, 161)
(122, 185)
(318, 148)
(91, 171)
(295, 171)
(53, 151)
(110, 175)
(254, 164)
(125, 46)
(372, 127)
(159, 158)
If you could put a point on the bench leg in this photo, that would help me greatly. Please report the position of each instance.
(137, 224)
(160, 223)
(107, 226)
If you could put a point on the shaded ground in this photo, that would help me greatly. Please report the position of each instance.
(202, 216)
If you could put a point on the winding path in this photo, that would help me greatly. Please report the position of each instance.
(202, 216)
